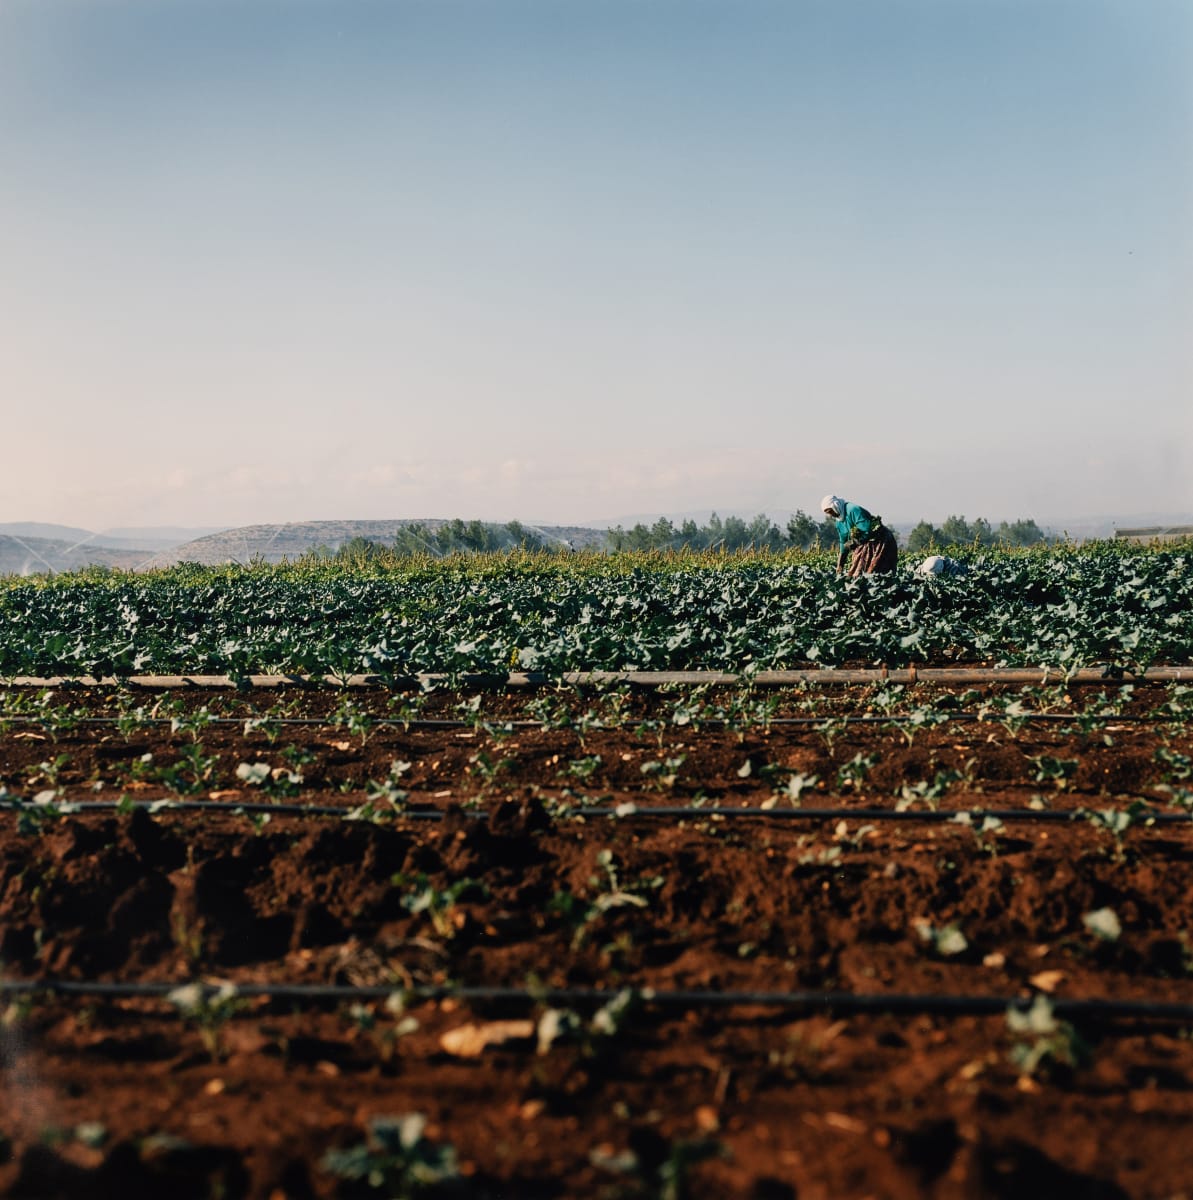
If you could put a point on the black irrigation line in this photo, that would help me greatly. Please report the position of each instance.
(892, 1003)
(616, 812)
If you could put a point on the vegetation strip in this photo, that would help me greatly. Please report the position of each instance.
(943, 718)
(618, 812)
(1078, 613)
(908, 1003)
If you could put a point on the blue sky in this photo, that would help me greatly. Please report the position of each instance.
(566, 260)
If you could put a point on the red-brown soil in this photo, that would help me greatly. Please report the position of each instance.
(781, 1102)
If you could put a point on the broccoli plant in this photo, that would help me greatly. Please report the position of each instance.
(1041, 1041)
(438, 904)
(396, 1159)
(208, 1009)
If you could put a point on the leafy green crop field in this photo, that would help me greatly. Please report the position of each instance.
(1061, 607)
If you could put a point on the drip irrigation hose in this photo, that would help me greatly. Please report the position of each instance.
(616, 812)
(894, 1003)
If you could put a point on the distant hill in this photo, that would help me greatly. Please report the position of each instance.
(39, 529)
(35, 555)
(146, 540)
(273, 543)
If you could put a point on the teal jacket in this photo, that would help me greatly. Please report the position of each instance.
(856, 519)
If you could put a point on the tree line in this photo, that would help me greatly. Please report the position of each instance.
(957, 531)
(803, 532)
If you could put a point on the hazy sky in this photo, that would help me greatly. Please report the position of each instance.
(564, 260)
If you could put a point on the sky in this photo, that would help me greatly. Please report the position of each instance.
(565, 260)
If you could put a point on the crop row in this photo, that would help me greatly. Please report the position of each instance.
(918, 764)
(615, 703)
(1061, 609)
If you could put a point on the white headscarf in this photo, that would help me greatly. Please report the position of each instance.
(835, 503)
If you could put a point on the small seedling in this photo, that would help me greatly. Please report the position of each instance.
(614, 895)
(354, 719)
(1104, 924)
(551, 711)
(819, 856)
(296, 757)
(487, 769)
(660, 1171)
(396, 1159)
(191, 723)
(1042, 1041)
(439, 905)
(273, 781)
(607, 1022)
(688, 711)
(208, 1009)
(1181, 796)
(384, 1034)
(984, 832)
(830, 730)
(1057, 771)
(1116, 822)
(583, 768)
(853, 838)
(268, 726)
(662, 775)
(469, 711)
(194, 769)
(1013, 714)
(946, 941)
(128, 720)
(792, 789)
(389, 788)
(1179, 703)
(55, 719)
(924, 717)
(853, 773)
(927, 792)
(48, 772)
(407, 708)
(887, 697)
(1177, 767)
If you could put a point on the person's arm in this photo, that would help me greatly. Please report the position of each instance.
(862, 523)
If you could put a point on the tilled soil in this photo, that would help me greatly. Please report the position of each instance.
(511, 887)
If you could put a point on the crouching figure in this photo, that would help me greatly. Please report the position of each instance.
(867, 546)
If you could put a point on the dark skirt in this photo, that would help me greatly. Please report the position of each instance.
(877, 554)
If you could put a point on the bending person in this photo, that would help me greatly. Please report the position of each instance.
(867, 544)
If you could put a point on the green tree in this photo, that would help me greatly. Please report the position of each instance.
(662, 534)
(956, 531)
(639, 538)
(1021, 533)
(763, 533)
(925, 536)
(735, 533)
(802, 532)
